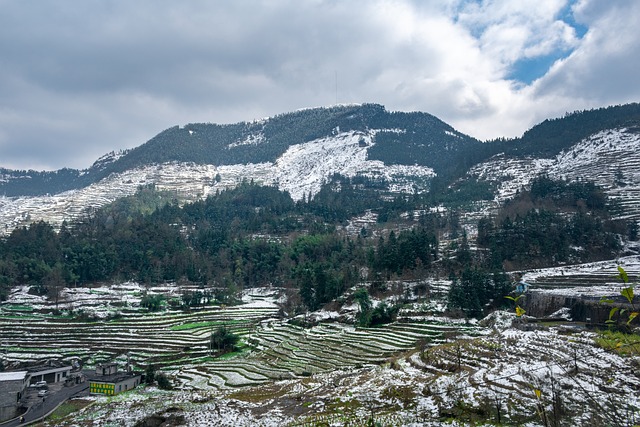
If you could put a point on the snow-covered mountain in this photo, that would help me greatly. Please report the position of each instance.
(299, 152)
(610, 158)
(301, 171)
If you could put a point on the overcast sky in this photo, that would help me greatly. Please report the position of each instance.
(80, 78)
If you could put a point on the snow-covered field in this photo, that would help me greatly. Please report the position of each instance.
(609, 269)
(98, 324)
(423, 370)
(508, 376)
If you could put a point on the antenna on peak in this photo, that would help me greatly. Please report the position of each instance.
(336, 71)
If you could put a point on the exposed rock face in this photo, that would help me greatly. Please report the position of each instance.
(584, 308)
(166, 419)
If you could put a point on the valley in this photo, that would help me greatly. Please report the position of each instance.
(367, 267)
(420, 370)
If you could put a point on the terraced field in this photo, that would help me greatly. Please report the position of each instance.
(609, 158)
(499, 374)
(506, 377)
(167, 338)
(283, 351)
(178, 341)
(422, 370)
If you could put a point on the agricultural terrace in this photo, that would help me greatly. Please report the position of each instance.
(98, 325)
(102, 324)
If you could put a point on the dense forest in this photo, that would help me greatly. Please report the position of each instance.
(255, 236)
(554, 222)
(554, 135)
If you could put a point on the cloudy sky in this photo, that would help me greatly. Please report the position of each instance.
(80, 78)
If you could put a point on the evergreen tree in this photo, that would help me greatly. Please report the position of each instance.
(223, 340)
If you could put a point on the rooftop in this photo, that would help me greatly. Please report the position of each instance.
(13, 376)
(114, 379)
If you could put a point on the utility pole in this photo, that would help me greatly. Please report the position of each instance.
(336, 87)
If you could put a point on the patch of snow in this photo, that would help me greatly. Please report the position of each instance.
(249, 139)
(563, 313)
(610, 267)
(304, 168)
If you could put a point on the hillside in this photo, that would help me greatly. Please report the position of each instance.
(552, 136)
(298, 152)
(610, 158)
(365, 264)
(393, 138)
(425, 369)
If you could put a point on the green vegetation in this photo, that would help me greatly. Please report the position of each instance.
(555, 222)
(18, 307)
(619, 342)
(67, 408)
(196, 325)
(163, 381)
(152, 302)
(247, 237)
(477, 291)
(223, 340)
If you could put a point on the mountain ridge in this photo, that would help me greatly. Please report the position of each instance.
(265, 139)
(405, 153)
(215, 144)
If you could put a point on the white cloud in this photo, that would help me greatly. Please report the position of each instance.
(509, 31)
(82, 79)
(604, 66)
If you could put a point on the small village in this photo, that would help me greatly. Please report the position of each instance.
(497, 359)
(34, 393)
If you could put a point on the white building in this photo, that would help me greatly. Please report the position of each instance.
(12, 389)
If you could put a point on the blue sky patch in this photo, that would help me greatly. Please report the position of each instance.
(566, 14)
(529, 69)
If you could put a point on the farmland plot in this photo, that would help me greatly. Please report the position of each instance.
(425, 370)
(31, 334)
(506, 377)
(283, 351)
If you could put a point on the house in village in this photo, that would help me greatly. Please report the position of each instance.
(13, 386)
(51, 373)
(110, 382)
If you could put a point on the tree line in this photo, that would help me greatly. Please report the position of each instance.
(255, 236)
(246, 237)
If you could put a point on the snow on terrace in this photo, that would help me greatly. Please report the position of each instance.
(301, 170)
(610, 158)
(600, 156)
(511, 174)
(630, 263)
(188, 180)
(99, 301)
(261, 298)
(594, 386)
(603, 277)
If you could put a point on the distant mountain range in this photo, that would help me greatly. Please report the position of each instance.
(300, 151)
